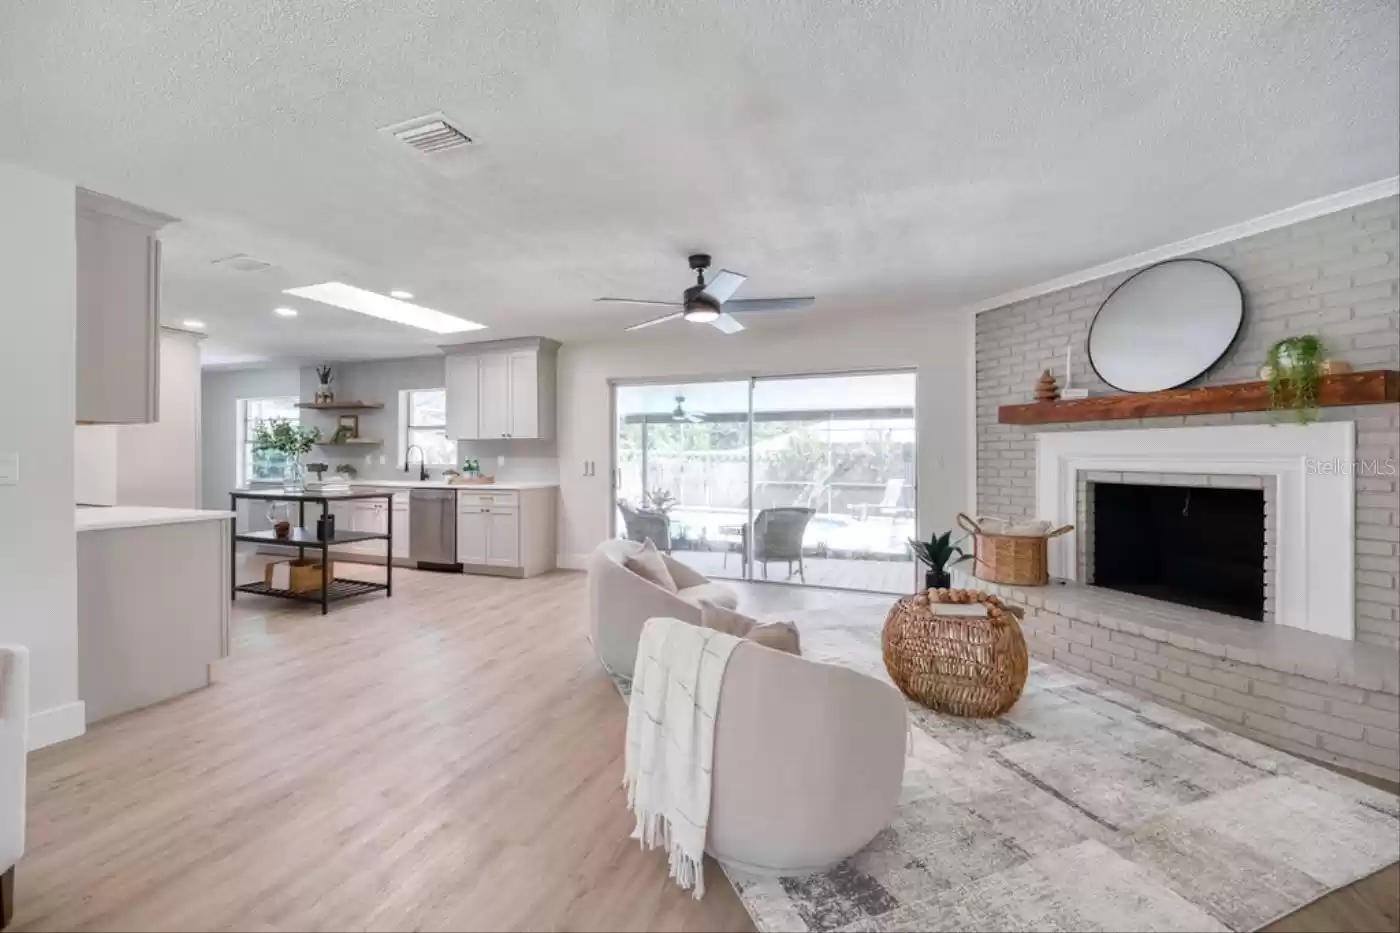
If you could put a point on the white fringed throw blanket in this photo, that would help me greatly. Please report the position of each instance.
(671, 740)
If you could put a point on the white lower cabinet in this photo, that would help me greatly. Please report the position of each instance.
(400, 509)
(503, 538)
(473, 532)
(506, 532)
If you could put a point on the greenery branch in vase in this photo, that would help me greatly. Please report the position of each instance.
(1291, 368)
(290, 440)
(937, 553)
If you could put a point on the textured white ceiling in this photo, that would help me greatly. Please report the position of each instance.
(864, 152)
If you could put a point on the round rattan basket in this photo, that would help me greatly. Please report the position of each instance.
(964, 665)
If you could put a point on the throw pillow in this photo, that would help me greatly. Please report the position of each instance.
(724, 620)
(780, 636)
(648, 564)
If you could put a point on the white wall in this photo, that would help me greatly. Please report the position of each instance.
(38, 545)
(219, 424)
(149, 464)
(95, 464)
(938, 346)
(159, 464)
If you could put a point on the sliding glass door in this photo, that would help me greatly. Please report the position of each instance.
(802, 480)
(683, 470)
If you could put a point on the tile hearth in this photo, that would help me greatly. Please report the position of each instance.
(1318, 696)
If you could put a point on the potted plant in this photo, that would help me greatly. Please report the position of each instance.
(937, 553)
(324, 393)
(660, 500)
(290, 440)
(1292, 367)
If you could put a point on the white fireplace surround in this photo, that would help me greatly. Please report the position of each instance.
(1315, 499)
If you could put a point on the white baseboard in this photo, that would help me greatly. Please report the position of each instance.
(572, 562)
(58, 724)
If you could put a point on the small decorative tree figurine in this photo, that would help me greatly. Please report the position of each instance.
(1046, 390)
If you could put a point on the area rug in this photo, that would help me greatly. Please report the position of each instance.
(1083, 808)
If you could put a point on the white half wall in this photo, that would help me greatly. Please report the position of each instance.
(938, 346)
(38, 544)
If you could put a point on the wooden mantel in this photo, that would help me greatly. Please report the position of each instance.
(1372, 387)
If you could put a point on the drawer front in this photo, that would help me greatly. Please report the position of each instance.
(475, 500)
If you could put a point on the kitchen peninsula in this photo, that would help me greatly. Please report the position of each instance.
(153, 607)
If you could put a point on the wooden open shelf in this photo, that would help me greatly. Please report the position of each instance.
(1373, 387)
(351, 442)
(340, 406)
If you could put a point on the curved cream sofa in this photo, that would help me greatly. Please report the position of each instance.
(809, 762)
(809, 757)
(620, 602)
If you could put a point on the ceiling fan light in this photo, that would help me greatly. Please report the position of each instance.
(701, 314)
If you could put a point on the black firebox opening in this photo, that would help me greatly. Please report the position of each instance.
(1197, 546)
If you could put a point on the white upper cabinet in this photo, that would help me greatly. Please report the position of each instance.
(495, 419)
(524, 401)
(501, 390)
(463, 396)
(118, 325)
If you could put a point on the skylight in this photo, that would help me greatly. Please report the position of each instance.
(382, 306)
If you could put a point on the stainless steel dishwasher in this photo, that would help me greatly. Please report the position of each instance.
(432, 529)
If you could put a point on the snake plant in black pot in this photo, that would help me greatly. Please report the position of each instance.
(938, 553)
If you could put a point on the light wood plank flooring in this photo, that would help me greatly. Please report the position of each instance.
(446, 759)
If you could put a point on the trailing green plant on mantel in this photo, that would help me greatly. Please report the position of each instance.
(1293, 366)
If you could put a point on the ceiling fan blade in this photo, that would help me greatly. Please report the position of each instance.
(745, 305)
(641, 301)
(656, 320)
(723, 286)
(727, 323)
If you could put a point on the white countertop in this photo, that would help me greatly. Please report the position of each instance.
(137, 516)
(441, 484)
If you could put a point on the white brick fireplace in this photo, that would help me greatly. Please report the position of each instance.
(1311, 523)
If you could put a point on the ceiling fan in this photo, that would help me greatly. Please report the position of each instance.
(714, 302)
(680, 414)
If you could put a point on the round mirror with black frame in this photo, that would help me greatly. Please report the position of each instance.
(1166, 325)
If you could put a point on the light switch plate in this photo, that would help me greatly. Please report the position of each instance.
(9, 469)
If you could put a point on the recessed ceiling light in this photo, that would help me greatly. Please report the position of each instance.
(382, 306)
(193, 325)
(400, 294)
(285, 312)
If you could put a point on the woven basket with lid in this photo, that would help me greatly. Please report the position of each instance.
(964, 665)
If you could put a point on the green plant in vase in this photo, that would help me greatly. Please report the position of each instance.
(290, 440)
(937, 553)
(1291, 368)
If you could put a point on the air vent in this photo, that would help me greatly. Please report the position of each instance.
(241, 262)
(431, 134)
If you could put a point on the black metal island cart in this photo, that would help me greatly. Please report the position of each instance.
(304, 539)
